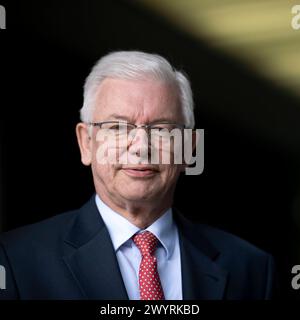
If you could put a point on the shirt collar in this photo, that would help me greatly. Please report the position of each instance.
(121, 230)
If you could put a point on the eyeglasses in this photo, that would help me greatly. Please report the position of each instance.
(121, 128)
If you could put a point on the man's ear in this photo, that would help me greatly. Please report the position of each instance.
(195, 140)
(85, 143)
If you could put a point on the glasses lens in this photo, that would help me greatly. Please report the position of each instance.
(117, 128)
(163, 130)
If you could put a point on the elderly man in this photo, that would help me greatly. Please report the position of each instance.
(127, 241)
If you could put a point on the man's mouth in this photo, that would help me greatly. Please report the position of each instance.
(140, 171)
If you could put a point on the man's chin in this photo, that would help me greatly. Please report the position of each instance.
(138, 196)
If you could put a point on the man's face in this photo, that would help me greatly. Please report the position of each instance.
(137, 102)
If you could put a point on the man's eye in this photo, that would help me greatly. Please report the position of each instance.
(160, 129)
(119, 127)
(115, 127)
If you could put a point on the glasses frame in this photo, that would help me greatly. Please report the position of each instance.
(134, 126)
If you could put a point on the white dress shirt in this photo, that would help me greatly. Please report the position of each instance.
(129, 256)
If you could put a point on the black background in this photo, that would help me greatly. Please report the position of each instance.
(250, 184)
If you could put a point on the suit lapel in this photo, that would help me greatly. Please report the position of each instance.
(92, 262)
(202, 278)
(91, 258)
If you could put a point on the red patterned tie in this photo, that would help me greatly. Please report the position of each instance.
(150, 286)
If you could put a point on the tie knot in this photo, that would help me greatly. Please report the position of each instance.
(146, 242)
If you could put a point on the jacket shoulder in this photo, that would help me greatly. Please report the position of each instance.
(46, 231)
(224, 242)
(230, 244)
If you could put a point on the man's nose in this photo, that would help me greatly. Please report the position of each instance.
(139, 142)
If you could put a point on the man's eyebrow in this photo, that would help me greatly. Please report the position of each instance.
(117, 116)
(125, 118)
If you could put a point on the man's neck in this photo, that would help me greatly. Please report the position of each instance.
(140, 214)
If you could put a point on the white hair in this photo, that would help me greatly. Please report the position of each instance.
(136, 65)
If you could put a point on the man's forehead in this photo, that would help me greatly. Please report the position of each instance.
(125, 99)
(109, 85)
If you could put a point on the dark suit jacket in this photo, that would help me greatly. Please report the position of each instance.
(71, 256)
